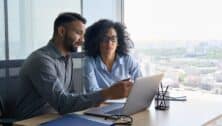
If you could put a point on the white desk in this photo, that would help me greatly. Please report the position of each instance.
(197, 110)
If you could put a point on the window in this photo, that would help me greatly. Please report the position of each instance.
(181, 38)
(2, 32)
(31, 23)
(94, 10)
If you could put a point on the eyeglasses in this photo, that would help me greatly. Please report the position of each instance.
(113, 39)
(121, 119)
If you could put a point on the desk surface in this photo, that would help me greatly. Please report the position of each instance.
(196, 111)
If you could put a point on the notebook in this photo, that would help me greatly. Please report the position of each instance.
(77, 120)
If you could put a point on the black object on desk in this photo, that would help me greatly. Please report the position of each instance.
(161, 98)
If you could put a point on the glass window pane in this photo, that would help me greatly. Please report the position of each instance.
(31, 23)
(181, 38)
(94, 10)
(2, 31)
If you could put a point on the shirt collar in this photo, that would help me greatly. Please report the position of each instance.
(54, 50)
(118, 61)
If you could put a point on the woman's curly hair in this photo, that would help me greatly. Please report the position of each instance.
(96, 33)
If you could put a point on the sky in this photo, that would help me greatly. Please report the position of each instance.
(174, 19)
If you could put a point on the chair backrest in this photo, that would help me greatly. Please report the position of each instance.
(78, 70)
(9, 71)
(1, 107)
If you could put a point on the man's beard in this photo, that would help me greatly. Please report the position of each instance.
(73, 49)
(68, 44)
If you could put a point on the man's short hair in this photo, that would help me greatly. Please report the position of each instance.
(67, 17)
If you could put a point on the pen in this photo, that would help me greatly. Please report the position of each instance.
(164, 95)
(161, 85)
(165, 91)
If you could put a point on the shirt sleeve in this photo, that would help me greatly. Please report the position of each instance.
(89, 76)
(134, 68)
(49, 87)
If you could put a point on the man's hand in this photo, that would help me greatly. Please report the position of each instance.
(118, 90)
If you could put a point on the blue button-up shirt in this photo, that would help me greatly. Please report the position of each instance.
(97, 75)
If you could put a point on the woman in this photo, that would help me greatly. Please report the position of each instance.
(107, 46)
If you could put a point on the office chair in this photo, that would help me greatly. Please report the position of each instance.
(1, 107)
(9, 71)
(77, 75)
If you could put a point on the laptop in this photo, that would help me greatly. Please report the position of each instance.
(140, 98)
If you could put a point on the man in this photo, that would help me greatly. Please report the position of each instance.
(45, 78)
